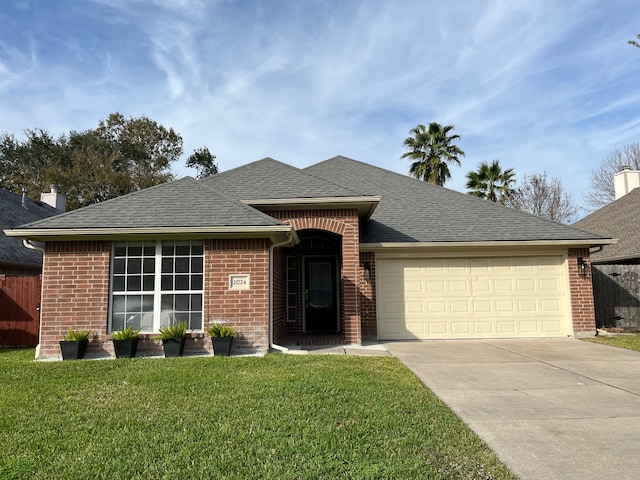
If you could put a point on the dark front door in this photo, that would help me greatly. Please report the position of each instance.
(320, 294)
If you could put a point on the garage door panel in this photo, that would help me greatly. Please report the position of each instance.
(465, 298)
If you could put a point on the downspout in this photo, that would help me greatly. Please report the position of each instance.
(271, 249)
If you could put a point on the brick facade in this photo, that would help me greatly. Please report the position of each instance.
(367, 296)
(343, 222)
(582, 310)
(75, 294)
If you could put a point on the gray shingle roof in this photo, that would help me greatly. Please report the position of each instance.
(13, 214)
(410, 210)
(270, 179)
(415, 211)
(620, 219)
(181, 203)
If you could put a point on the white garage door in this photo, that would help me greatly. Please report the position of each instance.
(473, 298)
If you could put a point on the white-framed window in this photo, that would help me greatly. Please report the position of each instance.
(155, 284)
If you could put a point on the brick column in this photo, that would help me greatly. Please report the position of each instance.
(582, 310)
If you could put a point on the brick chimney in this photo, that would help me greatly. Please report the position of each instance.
(55, 199)
(625, 181)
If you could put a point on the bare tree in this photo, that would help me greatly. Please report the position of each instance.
(601, 181)
(544, 197)
(634, 43)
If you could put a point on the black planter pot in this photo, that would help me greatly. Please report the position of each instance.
(125, 348)
(173, 347)
(222, 345)
(73, 350)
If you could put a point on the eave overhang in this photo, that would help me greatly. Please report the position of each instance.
(398, 247)
(365, 205)
(277, 233)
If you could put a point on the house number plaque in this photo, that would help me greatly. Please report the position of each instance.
(238, 282)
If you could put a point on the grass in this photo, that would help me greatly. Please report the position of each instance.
(276, 417)
(632, 342)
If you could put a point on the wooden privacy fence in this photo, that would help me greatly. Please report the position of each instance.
(19, 310)
(616, 295)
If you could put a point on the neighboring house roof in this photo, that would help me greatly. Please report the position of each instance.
(619, 219)
(13, 214)
(415, 211)
(408, 211)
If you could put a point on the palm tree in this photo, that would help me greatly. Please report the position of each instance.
(431, 150)
(490, 182)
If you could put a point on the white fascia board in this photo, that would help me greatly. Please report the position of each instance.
(386, 246)
(365, 204)
(45, 234)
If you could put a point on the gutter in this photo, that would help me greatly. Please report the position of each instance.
(271, 249)
(32, 246)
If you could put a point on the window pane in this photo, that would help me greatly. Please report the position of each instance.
(147, 303)
(134, 321)
(134, 283)
(183, 317)
(149, 265)
(118, 266)
(197, 249)
(148, 282)
(117, 321)
(149, 249)
(182, 303)
(182, 282)
(120, 249)
(134, 302)
(135, 249)
(118, 304)
(196, 265)
(196, 303)
(196, 321)
(184, 249)
(167, 249)
(167, 265)
(182, 265)
(134, 265)
(167, 282)
(196, 282)
(166, 302)
(118, 284)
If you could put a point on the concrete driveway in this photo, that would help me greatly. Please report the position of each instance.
(550, 409)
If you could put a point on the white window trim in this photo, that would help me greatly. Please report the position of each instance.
(157, 292)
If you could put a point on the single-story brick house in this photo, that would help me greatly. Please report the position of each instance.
(340, 251)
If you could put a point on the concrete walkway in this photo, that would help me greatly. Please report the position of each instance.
(550, 409)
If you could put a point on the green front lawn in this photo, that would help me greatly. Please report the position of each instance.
(631, 342)
(276, 417)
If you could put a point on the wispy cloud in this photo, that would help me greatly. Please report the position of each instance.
(538, 84)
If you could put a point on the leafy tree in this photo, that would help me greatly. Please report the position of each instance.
(545, 198)
(490, 182)
(601, 189)
(203, 161)
(146, 147)
(431, 150)
(118, 157)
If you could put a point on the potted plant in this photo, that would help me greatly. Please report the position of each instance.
(125, 342)
(173, 338)
(221, 338)
(74, 344)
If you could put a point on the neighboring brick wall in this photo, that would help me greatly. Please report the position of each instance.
(582, 310)
(343, 222)
(246, 310)
(75, 294)
(367, 296)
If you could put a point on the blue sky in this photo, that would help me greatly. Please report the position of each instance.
(541, 85)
